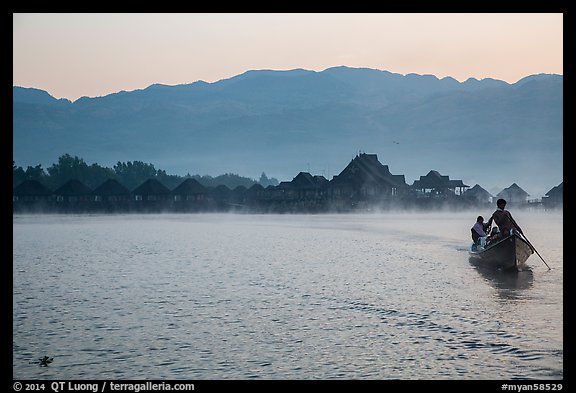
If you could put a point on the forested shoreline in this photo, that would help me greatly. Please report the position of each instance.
(130, 173)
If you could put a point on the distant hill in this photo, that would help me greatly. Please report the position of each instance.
(25, 95)
(485, 132)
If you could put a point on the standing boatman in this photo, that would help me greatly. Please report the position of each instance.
(503, 218)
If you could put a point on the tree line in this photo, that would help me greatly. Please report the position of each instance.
(131, 174)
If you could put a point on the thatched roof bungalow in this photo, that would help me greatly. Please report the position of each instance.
(111, 191)
(31, 191)
(304, 186)
(256, 192)
(555, 197)
(151, 190)
(513, 195)
(238, 195)
(366, 178)
(190, 195)
(190, 190)
(435, 184)
(73, 191)
(478, 194)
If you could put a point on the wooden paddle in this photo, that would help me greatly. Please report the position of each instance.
(535, 250)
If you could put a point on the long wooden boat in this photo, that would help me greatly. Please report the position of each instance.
(509, 253)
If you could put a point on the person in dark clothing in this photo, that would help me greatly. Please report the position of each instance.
(503, 219)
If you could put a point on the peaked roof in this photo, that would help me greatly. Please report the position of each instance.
(111, 187)
(151, 187)
(365, 168)
(305, 180)
(255, 188)
(190, 186)
(73, 188)
(31, 187)
(238, 191)
(556, 191)
(477, 191)
(220, 190)
(435, 180)
(513, 189)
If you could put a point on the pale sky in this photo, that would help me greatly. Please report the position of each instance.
(74, 55)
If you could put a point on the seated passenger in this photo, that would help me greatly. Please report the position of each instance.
(494, 236)
(478, 233)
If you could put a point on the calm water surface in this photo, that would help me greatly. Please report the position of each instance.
(217, 296)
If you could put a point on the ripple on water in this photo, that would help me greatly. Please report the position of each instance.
(277, 297)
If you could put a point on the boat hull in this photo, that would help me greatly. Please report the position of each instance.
(509, 253)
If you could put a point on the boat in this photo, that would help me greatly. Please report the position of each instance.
(509, 253)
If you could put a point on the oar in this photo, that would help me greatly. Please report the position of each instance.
(534, 248)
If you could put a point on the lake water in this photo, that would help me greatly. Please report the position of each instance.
(223, 296)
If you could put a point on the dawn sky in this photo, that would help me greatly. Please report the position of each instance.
(75, 55)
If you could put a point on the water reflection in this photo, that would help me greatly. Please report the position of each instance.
(276, 297)
(510, 284)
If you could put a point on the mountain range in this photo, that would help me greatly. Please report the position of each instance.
(486, 132)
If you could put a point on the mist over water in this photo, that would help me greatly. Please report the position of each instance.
(224, 296)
